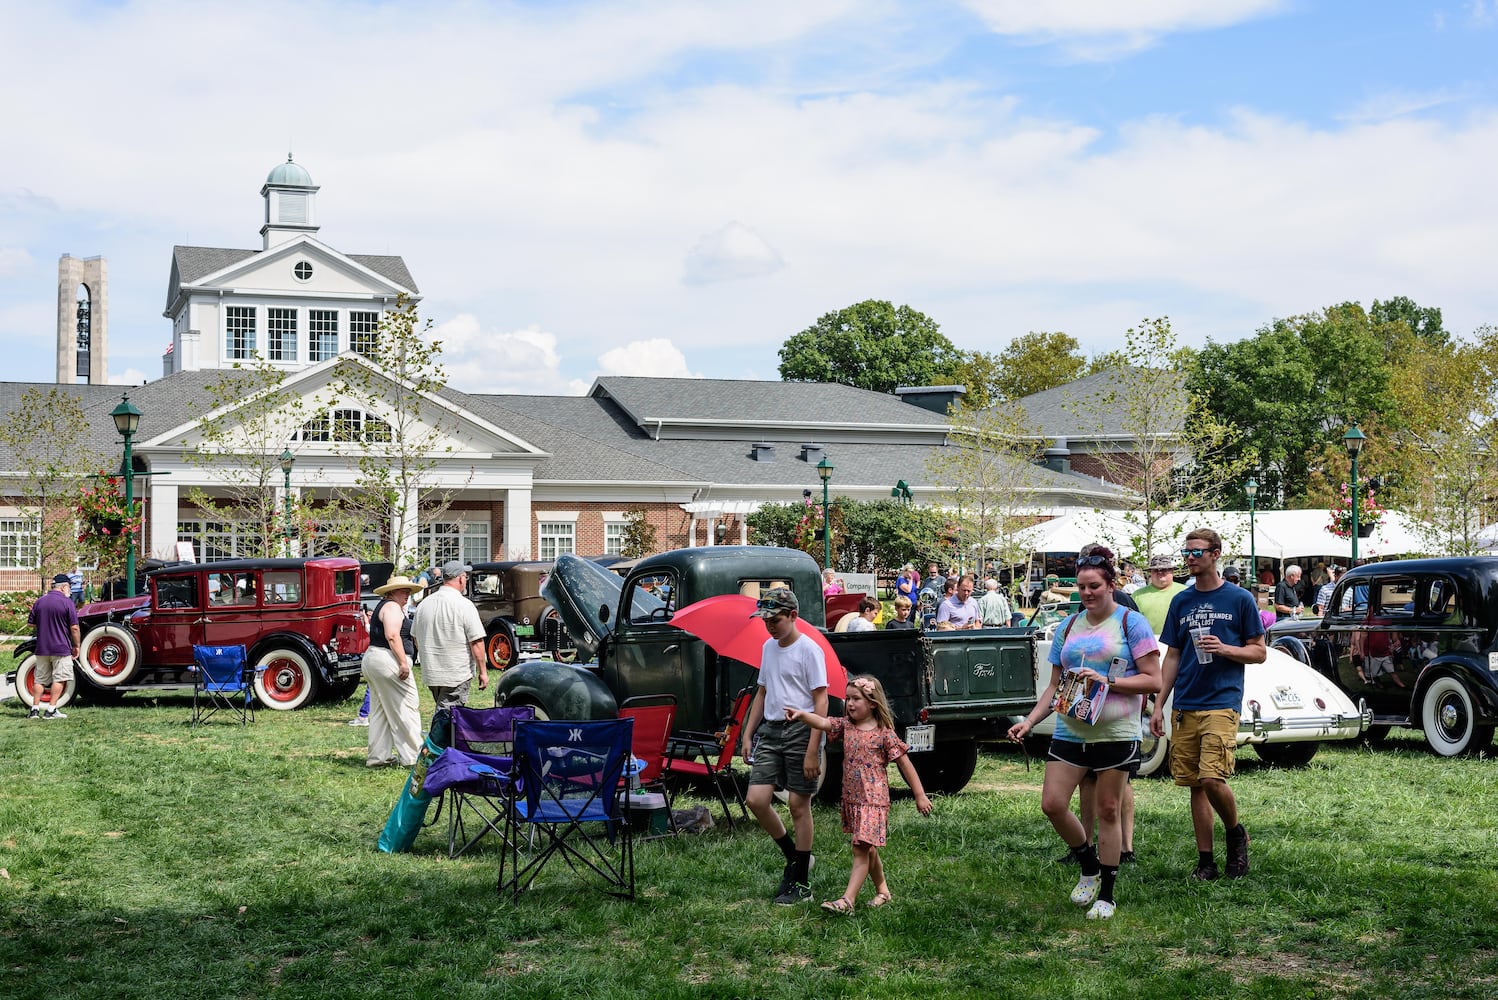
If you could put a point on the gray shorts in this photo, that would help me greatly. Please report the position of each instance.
(780, 754)
(449, 695)
(53, 670)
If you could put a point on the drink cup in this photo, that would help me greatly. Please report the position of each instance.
(1198, 633)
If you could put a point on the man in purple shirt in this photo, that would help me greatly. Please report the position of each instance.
(960, 610)
(56, 622)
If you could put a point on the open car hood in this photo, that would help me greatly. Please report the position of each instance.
(578, 589)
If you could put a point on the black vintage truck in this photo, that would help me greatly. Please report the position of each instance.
(949, 690)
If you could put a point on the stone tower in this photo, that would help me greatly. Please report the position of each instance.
(82, 320)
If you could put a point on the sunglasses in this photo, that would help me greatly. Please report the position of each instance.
(1092, 561)
(1195, 553)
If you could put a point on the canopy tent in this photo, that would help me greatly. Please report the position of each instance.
(1277, 534)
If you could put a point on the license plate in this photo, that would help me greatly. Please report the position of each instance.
(525, 630)
(1286, 697)
(920, 738)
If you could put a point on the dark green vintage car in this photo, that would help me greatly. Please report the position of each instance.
(948, 690)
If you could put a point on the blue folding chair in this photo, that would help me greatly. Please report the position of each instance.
(223, 679)
(566, 785)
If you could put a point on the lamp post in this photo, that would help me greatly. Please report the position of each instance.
(901, 492)
(1251, 489)
(1354, 439)
(287, 460)
(824, 470)
(127, 422)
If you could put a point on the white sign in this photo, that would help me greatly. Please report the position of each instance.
(185, 552)
(859, 583)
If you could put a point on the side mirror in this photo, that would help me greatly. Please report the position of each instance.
(603, 613)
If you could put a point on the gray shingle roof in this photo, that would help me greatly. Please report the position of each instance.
(646, 399)
(1091, 405)
(190, 264)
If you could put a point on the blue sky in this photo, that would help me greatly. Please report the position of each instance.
(676, 187)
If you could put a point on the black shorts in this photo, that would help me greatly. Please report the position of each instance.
(1119, 755)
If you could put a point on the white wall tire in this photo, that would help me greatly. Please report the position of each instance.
(1448, 716)
(284, 679)
(109, 655)
(1154, 754)
(26, 673)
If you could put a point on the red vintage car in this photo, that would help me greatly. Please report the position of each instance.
(299, 619)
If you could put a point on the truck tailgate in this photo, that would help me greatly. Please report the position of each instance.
(980, 671)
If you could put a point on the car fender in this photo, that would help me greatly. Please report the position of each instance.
(564, 691)
(1480, 682)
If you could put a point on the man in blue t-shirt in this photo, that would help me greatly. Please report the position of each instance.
(1215, 622)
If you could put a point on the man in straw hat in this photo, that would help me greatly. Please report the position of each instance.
(394, 712)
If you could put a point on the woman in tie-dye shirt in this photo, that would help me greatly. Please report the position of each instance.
(1109, 644)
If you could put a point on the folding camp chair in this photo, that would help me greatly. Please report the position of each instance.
(715, 751)
(566, 784)
(485, 738)
(653, 715)
(223, 679)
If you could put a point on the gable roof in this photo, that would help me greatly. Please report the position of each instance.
(192, 264)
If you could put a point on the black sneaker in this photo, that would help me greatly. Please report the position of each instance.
(1237, 865)
(1073, 856)
(787, 878)
(796, 892)
(36, 713)
(1206, 873)
(1126, 857)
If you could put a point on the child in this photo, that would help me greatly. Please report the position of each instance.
(869, 744)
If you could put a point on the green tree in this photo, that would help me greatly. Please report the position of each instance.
(44, 434)
(868, 536)
(1422, 321)
(1178, 455)
(397, 456)
(871, 345)
(251, 418)
(1291, 390)
(986, 476)
(1038, 361)
(639, 534)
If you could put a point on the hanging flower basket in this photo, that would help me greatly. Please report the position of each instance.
(105, 521)
(1370, 514)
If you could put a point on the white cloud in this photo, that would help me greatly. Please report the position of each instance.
(1396, 104)
(479, 360)
(657, 357)
(735, 251)
(1100, 29)
(14, 262)
(130, 376)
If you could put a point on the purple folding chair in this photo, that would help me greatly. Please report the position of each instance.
(486, 738)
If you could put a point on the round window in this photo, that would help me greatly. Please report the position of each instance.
(303, 270)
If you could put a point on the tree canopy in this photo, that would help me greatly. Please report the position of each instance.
(872, 345)
(1039, 361)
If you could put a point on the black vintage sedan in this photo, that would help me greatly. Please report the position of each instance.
(1417, 639)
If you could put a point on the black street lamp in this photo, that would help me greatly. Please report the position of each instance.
(1354, 439)
(901, 492)
(824, 470)
(287, 460)
(127, 422)
(1251, 489)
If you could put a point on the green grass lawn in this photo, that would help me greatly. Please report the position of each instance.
(144, 859)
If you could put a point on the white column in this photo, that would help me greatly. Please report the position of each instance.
(517, 524)
(712, 536)
(162, 506)
(743, 530)
(692, 533)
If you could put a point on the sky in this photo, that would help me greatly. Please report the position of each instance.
(675, 187)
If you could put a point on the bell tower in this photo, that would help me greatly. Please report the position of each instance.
(82, 320)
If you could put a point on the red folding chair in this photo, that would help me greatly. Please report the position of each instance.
(653, 715)
(692, 756)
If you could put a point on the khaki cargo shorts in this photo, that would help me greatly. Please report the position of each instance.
(1203, 745)
(53, 670)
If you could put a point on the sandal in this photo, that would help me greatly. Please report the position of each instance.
(880, 898)
(842, 906)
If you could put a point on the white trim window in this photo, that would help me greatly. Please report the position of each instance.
(281, 334)
(557, 537)
(239, 332)
(363, 329)
(20, 542)
(214, 540)
(439, 541)
(613, 537)
(322, 334)
(344, 426)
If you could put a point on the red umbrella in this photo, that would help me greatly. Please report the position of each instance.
(727, 624)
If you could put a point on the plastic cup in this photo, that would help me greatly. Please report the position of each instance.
(1198, 633)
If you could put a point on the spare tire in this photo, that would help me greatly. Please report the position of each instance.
(109, 655)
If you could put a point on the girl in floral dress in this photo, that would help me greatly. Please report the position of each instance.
(869, 745)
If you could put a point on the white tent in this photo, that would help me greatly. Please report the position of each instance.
(1278, 534)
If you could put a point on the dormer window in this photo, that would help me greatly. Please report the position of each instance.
(302, 271)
